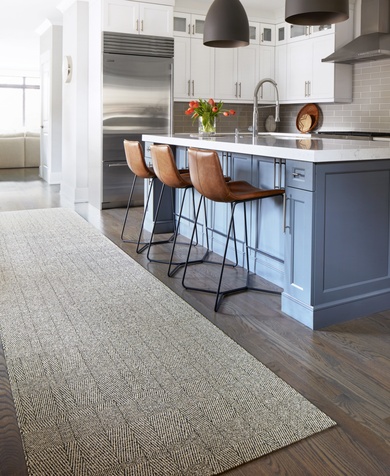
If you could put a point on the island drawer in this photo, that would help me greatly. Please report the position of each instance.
(300, 175)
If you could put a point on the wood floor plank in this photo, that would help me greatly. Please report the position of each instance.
(344, 370)
(12, 460)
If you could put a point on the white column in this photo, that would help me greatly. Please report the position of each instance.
(74, 182)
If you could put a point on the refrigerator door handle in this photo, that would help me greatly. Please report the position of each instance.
(193, 87)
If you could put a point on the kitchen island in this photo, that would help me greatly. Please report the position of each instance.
(330, 252)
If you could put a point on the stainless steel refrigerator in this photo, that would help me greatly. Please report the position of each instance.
(137, 99)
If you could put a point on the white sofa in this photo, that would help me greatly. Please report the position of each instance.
(19, 149)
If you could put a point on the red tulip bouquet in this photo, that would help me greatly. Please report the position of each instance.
(207, 112)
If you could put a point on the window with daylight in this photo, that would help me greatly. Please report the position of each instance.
(20, 103)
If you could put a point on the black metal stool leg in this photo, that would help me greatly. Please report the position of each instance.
(217, 298)
(127, 209)
(138, 242)
(170, 263)
(189, 248)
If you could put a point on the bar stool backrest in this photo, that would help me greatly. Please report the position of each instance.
(135, 159)
(207, 175)
(164, 166)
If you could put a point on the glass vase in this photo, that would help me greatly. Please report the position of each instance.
(207, 126)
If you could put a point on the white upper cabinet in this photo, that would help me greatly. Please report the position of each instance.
(261, 33)
(281, 33)
(236, 73)
(123, 16)
(254, 33)
(156, 20)
(267, 34)
(248, 71)
(194, 62)
(289, 54)
(281, 70)
(188, 25)
(194, 69)
(297, 32)
(267, 70)
(299, 70)
(311, 80)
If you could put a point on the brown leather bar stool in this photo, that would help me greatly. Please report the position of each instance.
(207, 177)
(164, 166)
(136, 162)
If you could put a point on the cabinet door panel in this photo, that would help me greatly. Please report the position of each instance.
(267, 36)
(226, 85)
(156, 20)
(267, 70)
(298, 244)
(248, 71)
(202, 70)
(121, 16)
(299, 63)
(197, 26)
(323, 80)
(182, 71)
(182, 24)
(281, 70)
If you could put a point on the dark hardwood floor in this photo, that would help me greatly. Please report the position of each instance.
(343, 369)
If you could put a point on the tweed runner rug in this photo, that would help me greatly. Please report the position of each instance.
(113, 374)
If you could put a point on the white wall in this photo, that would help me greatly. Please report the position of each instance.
(95, 105)
(51, 50)
(74, 183)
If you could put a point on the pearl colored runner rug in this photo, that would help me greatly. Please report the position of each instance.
(113, 374)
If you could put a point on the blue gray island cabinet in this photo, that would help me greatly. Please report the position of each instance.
(330, 252)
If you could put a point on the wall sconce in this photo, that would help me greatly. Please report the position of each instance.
(316, 12)
(226, 25)
(67, 69)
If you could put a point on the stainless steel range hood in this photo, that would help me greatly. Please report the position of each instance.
(374, 41)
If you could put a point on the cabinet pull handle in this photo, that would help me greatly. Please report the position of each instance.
(239, 94)
(193, 87)
(189, 87)
(308, 88)
(305, 88)
(193, 29)
(142, 25)
(284, 212)
(189, 29)
(236, 89)
(136, 27)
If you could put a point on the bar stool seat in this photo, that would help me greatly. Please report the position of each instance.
(207, 178)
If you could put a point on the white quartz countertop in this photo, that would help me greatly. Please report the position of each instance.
(286, 146)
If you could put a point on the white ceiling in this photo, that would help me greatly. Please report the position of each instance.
(19, 19)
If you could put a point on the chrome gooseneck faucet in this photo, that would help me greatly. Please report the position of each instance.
(255, 127)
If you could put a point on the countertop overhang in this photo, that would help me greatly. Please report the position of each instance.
(305, 148)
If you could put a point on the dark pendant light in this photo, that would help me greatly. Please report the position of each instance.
(316, 12)
(226, 25)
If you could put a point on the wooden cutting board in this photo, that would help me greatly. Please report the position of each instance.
(310, 110)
